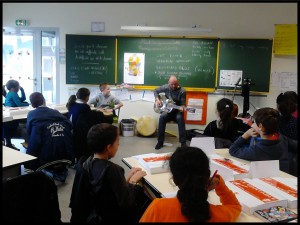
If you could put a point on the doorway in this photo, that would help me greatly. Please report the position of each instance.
(30, 56)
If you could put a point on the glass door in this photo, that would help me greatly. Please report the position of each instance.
(49, 65)
(30, 57)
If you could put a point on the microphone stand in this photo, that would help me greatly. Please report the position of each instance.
(235, 106)
(245, 94)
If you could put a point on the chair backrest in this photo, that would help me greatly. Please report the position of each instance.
(84, 122)
(292, 156)
(50, 141)
(54, 163)
(30, 198)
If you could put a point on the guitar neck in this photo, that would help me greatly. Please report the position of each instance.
(178, 107)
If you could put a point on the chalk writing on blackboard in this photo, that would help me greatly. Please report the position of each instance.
(90, 59)
(192, 60)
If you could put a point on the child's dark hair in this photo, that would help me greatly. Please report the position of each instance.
(36, 99)
(101, 135)
(190, 169)
(82, 93)
(225, 108)
(102, 86)
(287, 103)
(12, 84)
(269, 118)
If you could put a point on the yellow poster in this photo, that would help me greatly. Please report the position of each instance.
(285, 41)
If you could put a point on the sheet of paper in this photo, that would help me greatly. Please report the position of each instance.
(196, 103)
(206, 144)
(122, 94)
(136, 95)
(148, 96)
(169, 194)
(228, 78)
(288, 81)
(260, 169)
(275, 79)
(225, 173)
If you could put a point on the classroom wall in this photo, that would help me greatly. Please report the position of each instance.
(227, 20)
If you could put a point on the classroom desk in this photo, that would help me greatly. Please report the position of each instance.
(157, 184)
(22, 112)
(12, 161)
(6, 118)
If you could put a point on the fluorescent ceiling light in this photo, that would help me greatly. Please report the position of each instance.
(166, 29)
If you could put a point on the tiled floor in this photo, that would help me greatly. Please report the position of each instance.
(129, 146)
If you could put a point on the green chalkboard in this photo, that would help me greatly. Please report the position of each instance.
(90, 59)
(251, 56)
(192, 60)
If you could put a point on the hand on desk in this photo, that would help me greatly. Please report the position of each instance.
(135, 174)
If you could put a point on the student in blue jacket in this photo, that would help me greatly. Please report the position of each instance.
(12, 99)
(265, 141)
(50, 133)
(77, 104)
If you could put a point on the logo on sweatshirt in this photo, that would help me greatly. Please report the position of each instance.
(56, 129)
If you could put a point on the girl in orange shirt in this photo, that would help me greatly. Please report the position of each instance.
(190, 169)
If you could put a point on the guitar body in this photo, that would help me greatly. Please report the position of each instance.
(168, 105)
(165, 106)
(106, 112)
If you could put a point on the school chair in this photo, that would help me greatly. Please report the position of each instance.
(116, 116)
(30, 198)
(52, 143)
(84, 122)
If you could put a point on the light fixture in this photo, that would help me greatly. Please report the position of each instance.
(194, 29)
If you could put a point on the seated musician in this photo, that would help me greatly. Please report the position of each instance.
(106, 103)
(177, 93)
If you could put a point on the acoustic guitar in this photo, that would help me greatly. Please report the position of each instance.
(107, 110)
(168, 105)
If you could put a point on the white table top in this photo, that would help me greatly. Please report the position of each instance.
(22, 112)
(162, 182)
(13, 157)
(6, 118)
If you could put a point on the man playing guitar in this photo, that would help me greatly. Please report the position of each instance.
(177, 93)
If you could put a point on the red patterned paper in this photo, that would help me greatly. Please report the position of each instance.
(157, 158)
(229, 164)
(281, 186)
(254, 191)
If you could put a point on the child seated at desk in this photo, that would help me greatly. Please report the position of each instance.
(12, 99)
(227, 126)
(265, 141)
(106, 103)
(50, 136)
(100, 191)
(190, 169)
